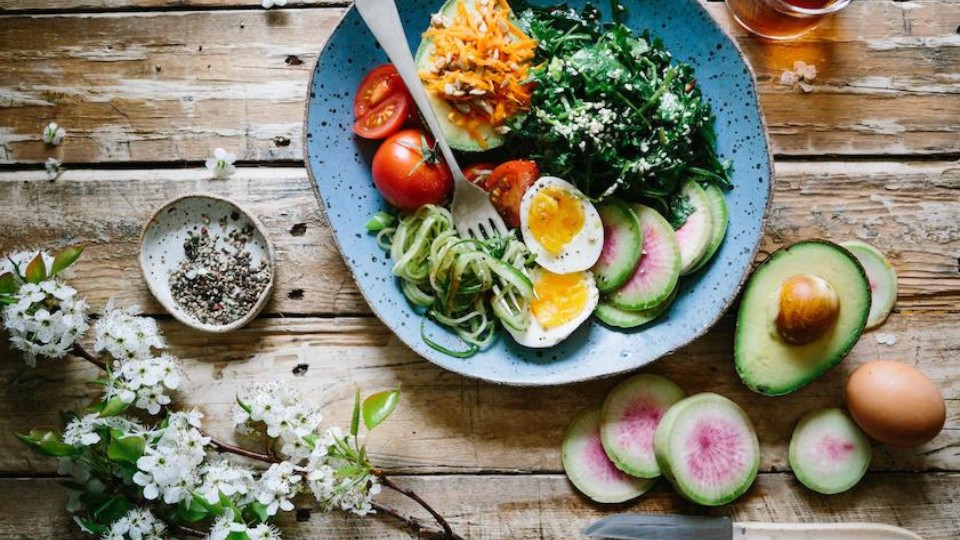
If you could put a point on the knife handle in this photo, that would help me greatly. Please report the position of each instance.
(819, 531)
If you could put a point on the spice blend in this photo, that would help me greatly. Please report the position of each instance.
(217, 282)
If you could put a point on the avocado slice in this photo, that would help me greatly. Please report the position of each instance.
(767, 362)
(457, 137)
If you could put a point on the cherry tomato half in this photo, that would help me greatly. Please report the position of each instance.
(408, 173)
(478, 173)
(507, 184)
(382, 81)
(385, 119)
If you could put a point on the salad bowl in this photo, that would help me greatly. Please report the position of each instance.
(339, 165)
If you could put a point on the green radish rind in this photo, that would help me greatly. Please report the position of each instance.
(695, 234)
(588, 467)
(622, 227)
(767, 364)
(629, 420)
(660, 258)
(620, 318)
(829, 453)
(721, 219)
(882, 278)
(680, 436)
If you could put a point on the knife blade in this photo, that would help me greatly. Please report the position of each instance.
(673, 527)
(661, 527)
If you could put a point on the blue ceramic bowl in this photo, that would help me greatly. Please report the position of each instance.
(339, 164)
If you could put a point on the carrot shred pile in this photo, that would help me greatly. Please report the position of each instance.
(480, 64)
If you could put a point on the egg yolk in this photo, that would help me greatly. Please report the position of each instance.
(559, 298)
(555, 218)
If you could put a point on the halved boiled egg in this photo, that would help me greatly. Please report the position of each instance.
(561, 303)
(560, 226)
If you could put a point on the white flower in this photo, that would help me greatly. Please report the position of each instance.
(222, 163)
(267, 4)
(45, 320)
(54, 168)
(337, 492)
(277, 486)
(221, 476)
(137, 524)
(125, 336)
(170, 463)
(53, 134)
(83, 431)
(225, 525)
(144, 382)
(284, 413)
(800, 77)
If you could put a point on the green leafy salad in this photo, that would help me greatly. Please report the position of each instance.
(613, 112)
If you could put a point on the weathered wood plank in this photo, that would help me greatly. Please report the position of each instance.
(545, 507)
(908, 210)
(162, 86)
(450, 423)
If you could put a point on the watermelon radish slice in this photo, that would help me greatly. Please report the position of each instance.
(629, 419)
(882, 278)
(622, 245)
(619, 318)
(707, 448)
(720, 216)
(588, 467)
(828, 451)
(695, 234)
(656, 276)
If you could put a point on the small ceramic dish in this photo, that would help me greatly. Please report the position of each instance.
(162, 249)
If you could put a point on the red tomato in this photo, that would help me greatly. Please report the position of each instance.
(507, 184)
(408, 173)
(478, 173)
(382, 81)
(384, 119)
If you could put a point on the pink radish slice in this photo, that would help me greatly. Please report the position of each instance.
(631, 413)
(882, 278)
(622, 244)
(588, 467)
(829, 453)
(695, 234)
(659, 269)
(707, 448)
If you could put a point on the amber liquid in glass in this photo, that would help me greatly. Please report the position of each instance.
(766, 18)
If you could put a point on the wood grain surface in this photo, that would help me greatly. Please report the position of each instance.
(170, 86)
(147, 88)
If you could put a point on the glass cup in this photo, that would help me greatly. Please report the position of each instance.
(782, 19)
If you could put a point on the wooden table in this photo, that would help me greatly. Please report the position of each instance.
(147, 89)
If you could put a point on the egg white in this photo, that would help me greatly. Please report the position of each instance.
(537, 337)
(583, 250)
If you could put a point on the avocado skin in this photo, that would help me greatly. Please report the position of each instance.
(855, 308)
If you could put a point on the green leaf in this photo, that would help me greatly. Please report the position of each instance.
(191, 512)
(378, 407)
(112, 407)
(355, 421)
(125, 449)
(8, 283)
(215, 509)
(243, 405)
(48, 442)
(36, 270)
(65, 258)
(113, 509)
(349, 471)
(238, 535)
(311, 440)
(90, 526)
(260, 510)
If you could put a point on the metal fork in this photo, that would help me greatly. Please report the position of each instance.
(473, 215)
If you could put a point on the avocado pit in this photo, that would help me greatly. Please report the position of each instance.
(808, 308)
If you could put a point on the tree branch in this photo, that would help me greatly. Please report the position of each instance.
(413, 523)
(80, 352)
(222, 446)
(409, 493)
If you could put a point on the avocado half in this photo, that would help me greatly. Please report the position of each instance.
(765, 362)
(457, 137)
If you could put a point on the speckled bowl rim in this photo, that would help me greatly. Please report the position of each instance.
(271, 260)
(747, 271)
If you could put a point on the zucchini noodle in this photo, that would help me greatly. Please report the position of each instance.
(461, 283)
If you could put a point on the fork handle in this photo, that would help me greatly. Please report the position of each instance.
(384, 22)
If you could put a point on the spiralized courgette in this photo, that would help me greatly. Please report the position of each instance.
(461, 283)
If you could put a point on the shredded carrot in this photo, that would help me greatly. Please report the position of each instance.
(479, 64)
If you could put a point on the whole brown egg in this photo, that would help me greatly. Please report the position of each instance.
(894, 403)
